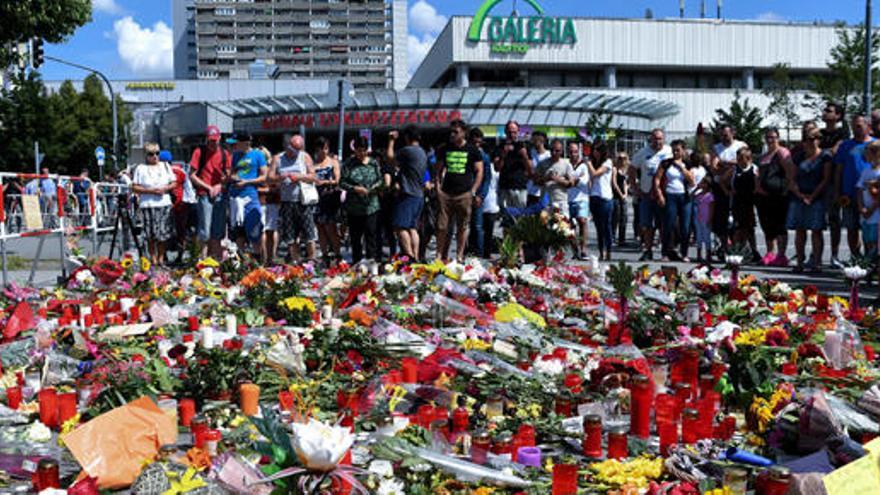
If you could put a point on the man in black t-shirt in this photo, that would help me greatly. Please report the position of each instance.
(459, 174)
(833, 133)
(515, 168)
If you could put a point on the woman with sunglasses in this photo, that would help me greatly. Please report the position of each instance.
(771, 197)
(808, 207)
(152, 182)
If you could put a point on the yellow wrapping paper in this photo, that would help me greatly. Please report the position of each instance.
(512, 311)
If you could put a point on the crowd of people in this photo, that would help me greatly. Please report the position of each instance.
(705, 201)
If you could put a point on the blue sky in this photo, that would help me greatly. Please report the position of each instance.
(131, 39)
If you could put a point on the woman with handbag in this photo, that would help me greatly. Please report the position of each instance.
(295, 171)
(152, 182)
(327, 175)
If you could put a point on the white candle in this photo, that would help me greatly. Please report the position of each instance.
(326, 313)
(208, 337)
(231, 325)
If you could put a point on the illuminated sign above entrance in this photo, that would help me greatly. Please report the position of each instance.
(516, 34)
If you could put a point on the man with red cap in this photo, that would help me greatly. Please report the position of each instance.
(210, 165)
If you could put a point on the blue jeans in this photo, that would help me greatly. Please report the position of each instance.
(602, 211)
(677, 221)
(476, 242)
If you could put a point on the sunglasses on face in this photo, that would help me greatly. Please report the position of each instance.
(152, 153)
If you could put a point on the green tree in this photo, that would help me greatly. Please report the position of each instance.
(844, 81)
(744, 118)
(785, 97)
(598, 126)
(24, 118)
(52, 20)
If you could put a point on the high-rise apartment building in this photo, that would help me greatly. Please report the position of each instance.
(362, 41)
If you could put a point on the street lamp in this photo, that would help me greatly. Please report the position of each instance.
(112, 106)
(869, 59)
(342, 94)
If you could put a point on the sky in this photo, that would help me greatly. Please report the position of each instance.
(132, 39)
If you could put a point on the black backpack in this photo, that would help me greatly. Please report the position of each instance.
(203, 158)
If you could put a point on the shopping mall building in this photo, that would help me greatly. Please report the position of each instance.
(539, 67)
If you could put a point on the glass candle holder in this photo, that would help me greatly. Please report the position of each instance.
(48, 400)
(592, 444)
(562, 406)
(526, 435)
(67, 406)
(668, 433)
(617, 444)
(47, 475)
(565, 479)
(480, 445)
(665, 409)
(13, 397)
(690, 425)
(503, 446)
(186, 411)
(495, 406)
(642, 398)
(410, 368)
(250, 399)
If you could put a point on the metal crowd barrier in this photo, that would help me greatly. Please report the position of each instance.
(62, 214)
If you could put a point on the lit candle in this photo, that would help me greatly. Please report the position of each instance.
(231, 324)
(66, 406)
(48, 400)
(640, 406)
(13, 397)
(690, 425)
(668, 433)
(565, 479)
(186, 411)
(250, 399)
(617, 446)
(592, 444)
(208, 337)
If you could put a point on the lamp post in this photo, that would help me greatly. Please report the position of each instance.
(869, 58)
(341, 119)
(112, 106)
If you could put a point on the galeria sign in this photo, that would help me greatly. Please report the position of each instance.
(516, 34)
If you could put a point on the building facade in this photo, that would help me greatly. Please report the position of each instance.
(697, 64)
(363, 41)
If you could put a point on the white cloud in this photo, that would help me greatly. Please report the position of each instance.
(416, 50)
(147, 52)
(106, 6)
(770, 16)
(424, 19)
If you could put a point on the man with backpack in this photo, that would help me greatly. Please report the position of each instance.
(210, 165)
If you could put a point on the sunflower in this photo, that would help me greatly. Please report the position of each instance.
(127, 263)
(145, 264)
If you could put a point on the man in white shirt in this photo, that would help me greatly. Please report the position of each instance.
(723, 160)
(645, 163)
(554, 174)
(538, 154)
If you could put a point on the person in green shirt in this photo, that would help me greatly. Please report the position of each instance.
(361, 179)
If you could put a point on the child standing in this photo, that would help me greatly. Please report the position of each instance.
(703, 204)
(868, 198)
(743, 185)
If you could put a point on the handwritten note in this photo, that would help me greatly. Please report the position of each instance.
(33, 217)
(861, 476)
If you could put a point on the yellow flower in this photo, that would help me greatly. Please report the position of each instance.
(295, 303)
(478, 344)
(637, 471)
(484, 490)
(145, 264)
(209, 262)
(126, 263)
(753, 337)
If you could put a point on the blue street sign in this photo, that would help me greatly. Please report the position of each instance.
(99, 153)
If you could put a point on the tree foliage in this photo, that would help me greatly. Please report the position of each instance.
(844, 81)
(745, 119)
(51, 20)
(68, 125)
(785, 98)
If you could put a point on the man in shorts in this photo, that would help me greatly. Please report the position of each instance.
(210, 165)
(459, 174)
(411, 162)
(646, 161)
(849, 163)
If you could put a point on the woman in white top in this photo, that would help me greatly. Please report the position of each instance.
(579, 196)
(152, 182)
(490, 214)
(601, 197)
(673, 183)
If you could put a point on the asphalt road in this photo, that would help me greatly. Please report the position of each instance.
(20, 252)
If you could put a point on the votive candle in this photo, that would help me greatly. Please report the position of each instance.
(66, 406)
(250, 399)
(48, 400)
(186, 411)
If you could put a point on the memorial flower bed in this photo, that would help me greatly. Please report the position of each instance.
(435, 379)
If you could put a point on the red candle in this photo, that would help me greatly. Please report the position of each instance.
(592, 445)
(99, 318)
(192, 323)
(13, 397)
(617, 444)
(426, 415)
(707, 384)
(690, 425)
(666, 408)
(460, 419)
(410, 369)
(89, 320)
(668, 436)
(66, 407)
(48, 400)
(640, 406)
(135, 313)
(186, 411)
(187, 338)
(480, 445)
(562, 406)
(47, 475)
(729, 427)
(526, 435)
(565, 479)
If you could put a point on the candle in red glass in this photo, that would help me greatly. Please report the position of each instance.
(690, 419)
(48, 400)
(99, 318)
(66, 407)
(706, 407)
(410, 369)
(707, 384)
(192, 323)
(89, 320)
(668, 433)
(460, 419)
(13, 397)
(480, 445)
(617, 444)
(666, 409)
(186, 410)
(729, 423)
(503, 445)
(135, 312)
(562, 406)
(691, 366)
(573, 383)
(565, 479)
(640, 406)
(426, 415)
(592, 445)
(683, 396)
(526, 435)
(47, 475)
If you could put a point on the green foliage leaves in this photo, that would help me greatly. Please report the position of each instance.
(67, 124)
(744, 118)
(785, 101)
(52, 20)
(846, 71)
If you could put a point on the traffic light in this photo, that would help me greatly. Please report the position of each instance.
(19, 54)
(37, 51)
